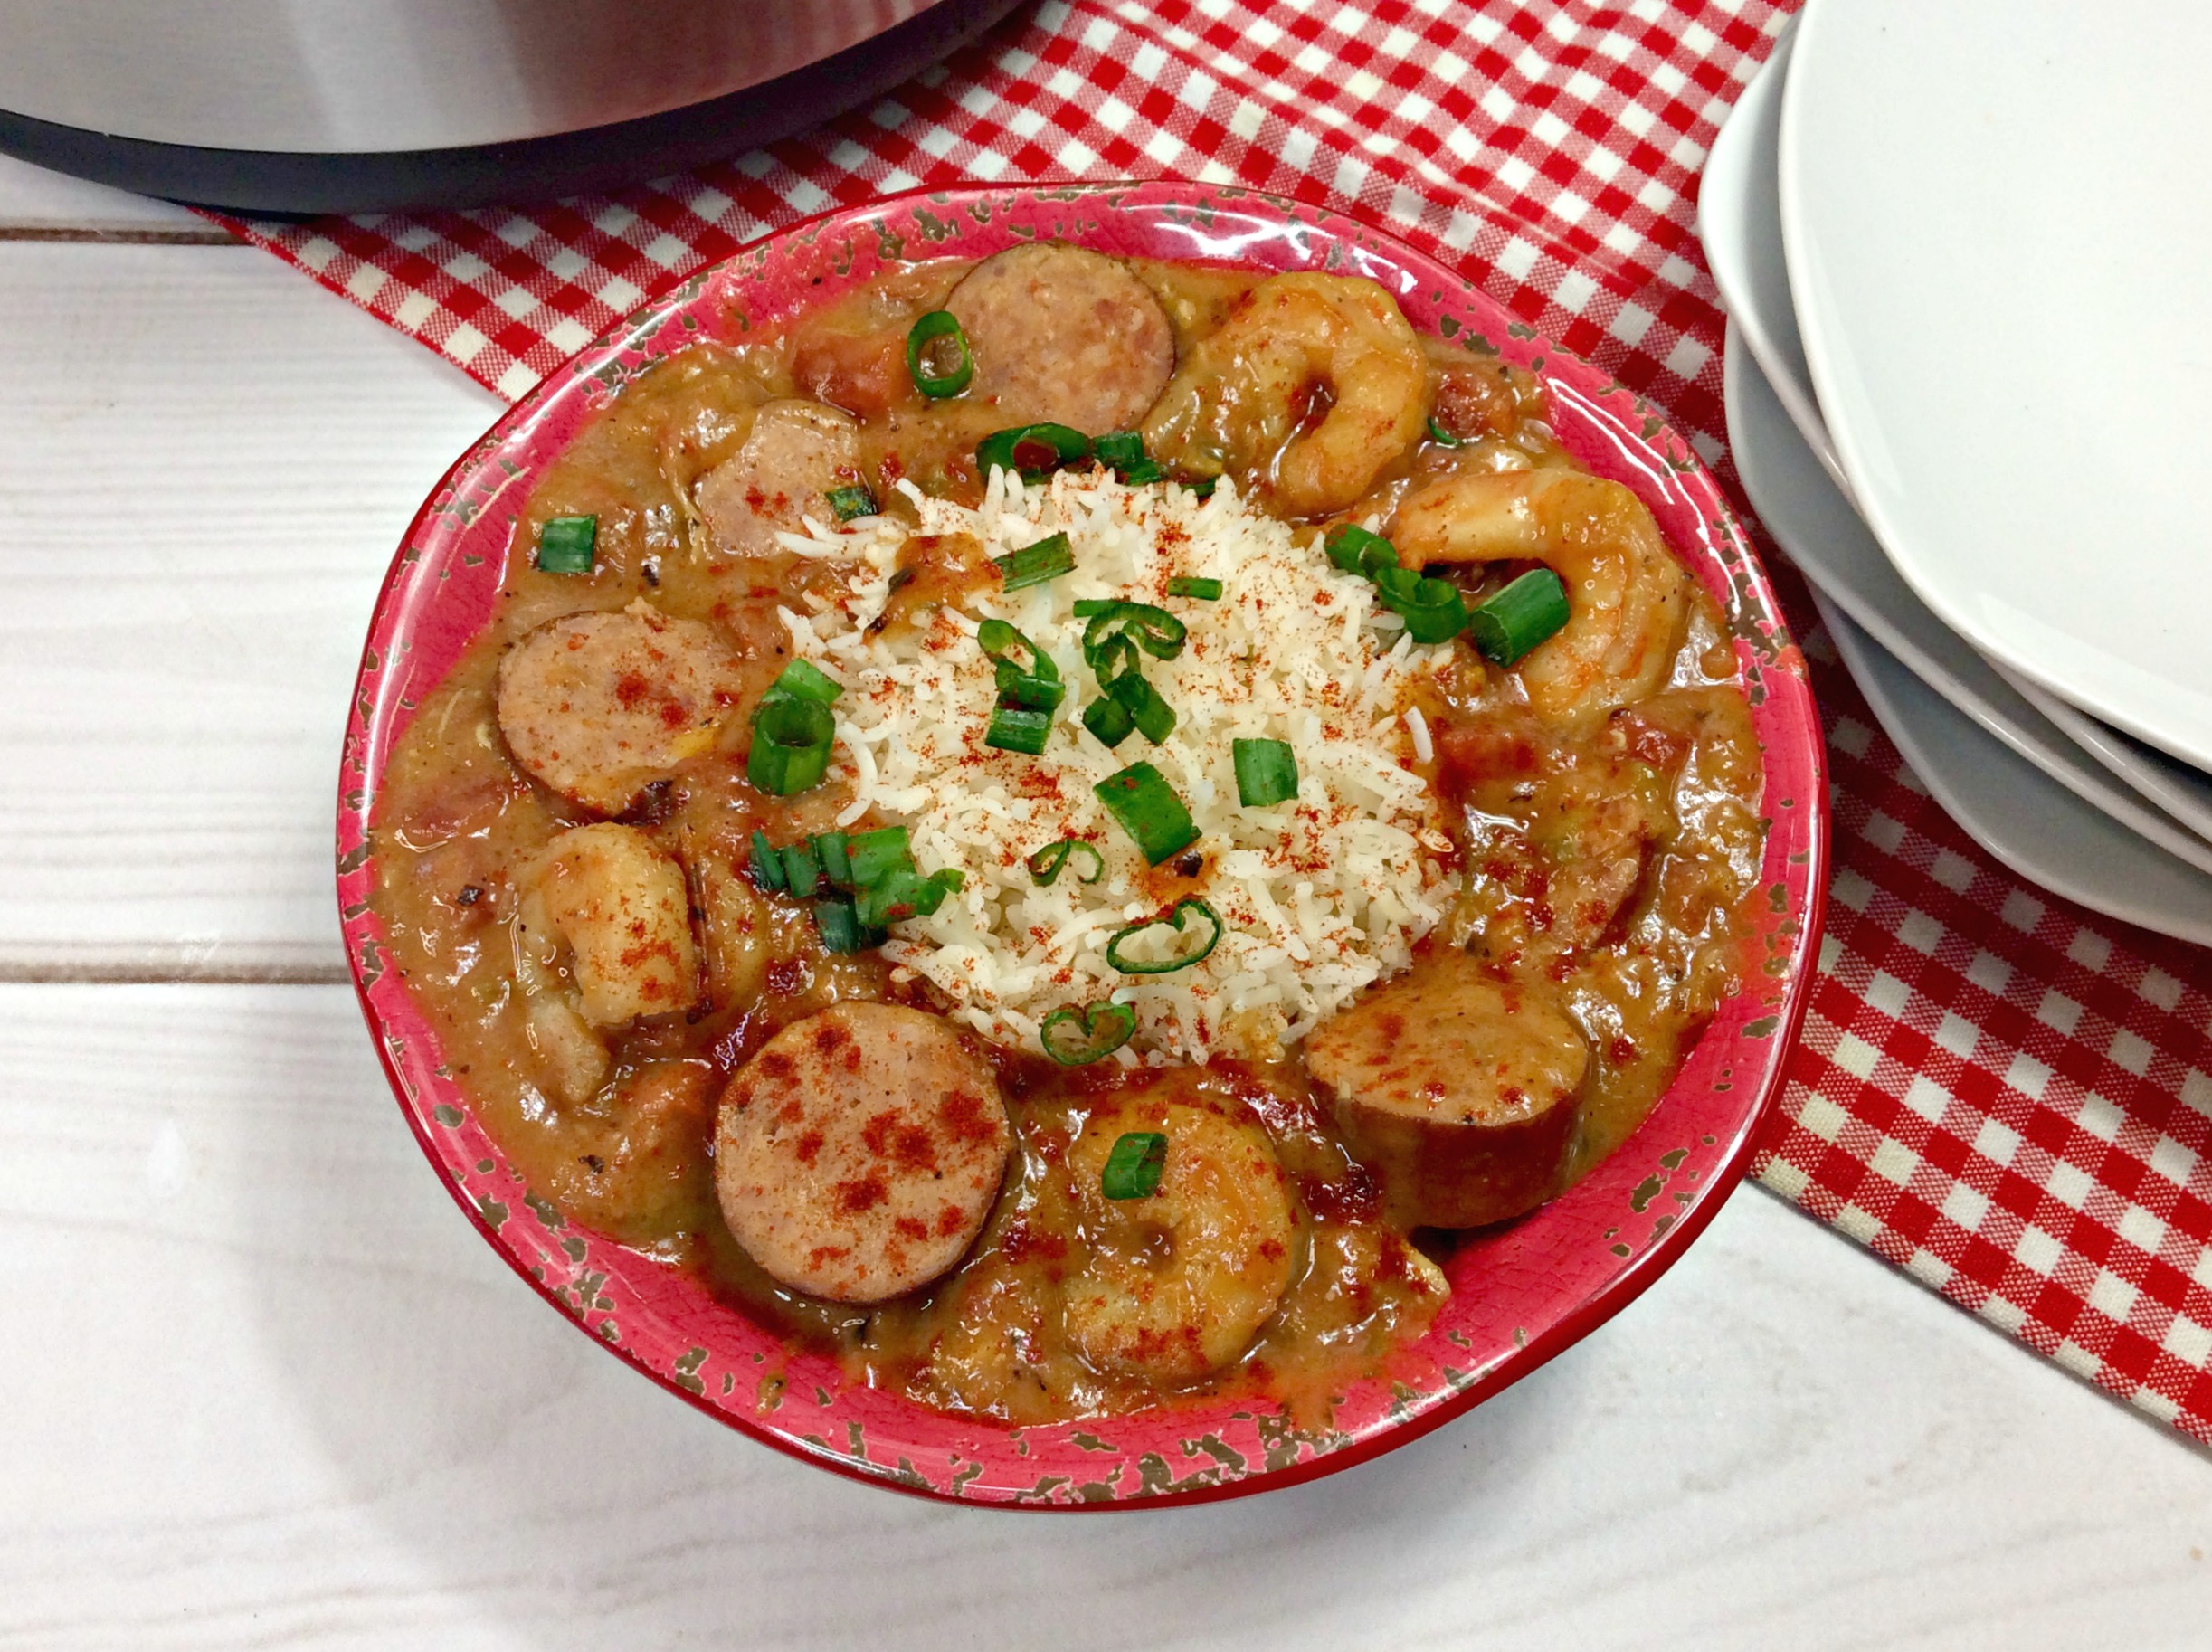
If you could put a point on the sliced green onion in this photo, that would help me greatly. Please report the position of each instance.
(1118, 449)
(1046, 863)
(1204, 590)
(851, 502)
(1134, 1166)
(802, 871)
(1152, 629)
(892, 898)
(999, 640)
(939, 884)
(1076, 1038)
(1524, 613)
(1266, 772)
(1442, 437)
(841, 929)
(1110, 722)
(1202, 486)
(565, 545)
(767, 865)
(873, 856)
(1143, 472)
(1031, 451)
(806, 681)
(791, 743)
(1433, 610)
(922, 340)
(1033, 564)
(1172, 918)
(1145, 806)
(836, 863)
(1024, 693)
(1015, 728)
(1349, 545)
(1154, 717)
(1090, 607)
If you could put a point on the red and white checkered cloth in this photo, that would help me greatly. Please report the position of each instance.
(1997, 1092)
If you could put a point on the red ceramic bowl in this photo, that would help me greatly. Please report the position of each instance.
(1521, 1294)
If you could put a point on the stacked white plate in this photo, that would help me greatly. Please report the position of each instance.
(1964, 250)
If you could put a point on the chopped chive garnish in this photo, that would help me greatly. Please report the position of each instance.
(807, 682)
(1171, 920)
(1076, 1038)
(1134, 1166)
(1524, 613)
(791, 743)
(1353, 548)
(1145, 806)
(1266, 772)
(1442, 437)
(1110, 723)
(1154, 717)
(1204, 590)
(841, 929)
(767, 865)
(565, 545)
(1015, 728)
(802, 870)
(937, 357)
(1118, 449)
(1046, 863)
(835, 864)
(851, 502)
(873, 856)
(1031, 451)
(1033, 564)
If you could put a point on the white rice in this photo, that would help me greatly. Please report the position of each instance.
(1319, 898)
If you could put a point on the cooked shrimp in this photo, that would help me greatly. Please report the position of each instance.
(859, 1153)
(597, 706)
(1177, 1284)
(1293, 345)
(797, 452)
(640, 1171)
(1624, 587)
(606, 901)
(1455, 1089)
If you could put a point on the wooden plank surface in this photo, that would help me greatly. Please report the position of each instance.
(265, 1386)
(208, 463)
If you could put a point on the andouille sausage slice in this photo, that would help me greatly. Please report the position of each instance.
(596, 706)
(859, 1151)
(1457, 1090)
(1064, 336)
(797, 452)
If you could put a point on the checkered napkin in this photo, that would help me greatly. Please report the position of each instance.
(1999, 1093)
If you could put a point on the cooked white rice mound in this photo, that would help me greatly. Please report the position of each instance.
(1318, 897)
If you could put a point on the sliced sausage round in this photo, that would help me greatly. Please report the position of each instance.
(1063, 336)
(797, 452)
(858, 1153)
(597, 706)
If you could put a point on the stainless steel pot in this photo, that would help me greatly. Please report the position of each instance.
(356, 105)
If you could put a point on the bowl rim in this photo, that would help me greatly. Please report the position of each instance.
(1780, 658)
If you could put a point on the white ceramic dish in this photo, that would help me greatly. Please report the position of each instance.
(1832, 549)
(1740, 221)
(1997, 224)
(2039, 829)
(2184, 792)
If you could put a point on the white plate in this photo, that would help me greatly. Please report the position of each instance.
(2184, 792)
(2041, 831)
(1740, 221)
(1832, 549)
(1998, 217)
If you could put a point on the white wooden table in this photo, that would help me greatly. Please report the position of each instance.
(264, 1387)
